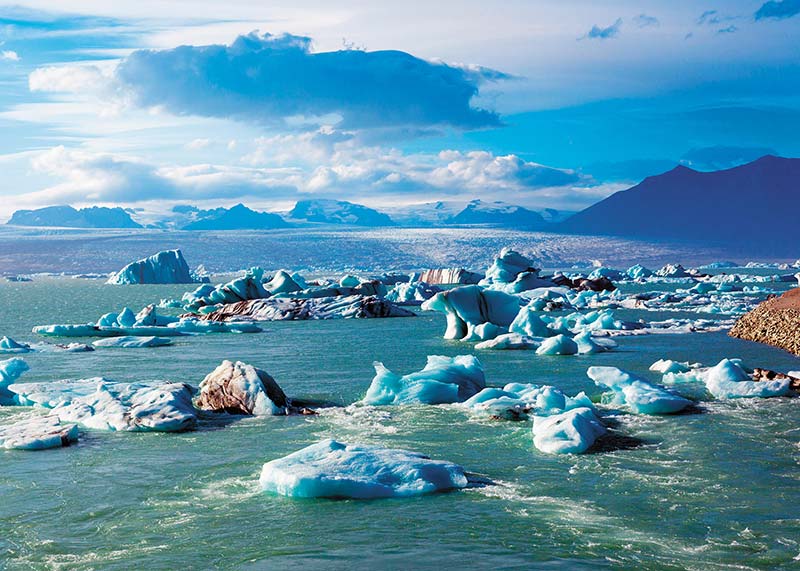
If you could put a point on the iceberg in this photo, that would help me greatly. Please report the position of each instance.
(38, 433)
(558, 345)
(331, 469)
(167, 267)
(412, 293)
(528, 322)
(8, 345)
(10, 371)
(443, 380)
(729, 380)
(239, 388)
(507, 267)
(448, 276)
(131, 342)
(285, 309)
(283, 282)
(244, 288)
(571, 432)
(673, 271)
(640, 396)
(665, 366)
(588, 345)
(467, 307)
(638, 272)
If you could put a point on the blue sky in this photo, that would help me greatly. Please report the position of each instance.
(542, 103)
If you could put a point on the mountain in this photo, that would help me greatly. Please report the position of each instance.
(339, 212)
(755, 204)
(69, 217)
(238, 217)
(498, 214)
(424, 214)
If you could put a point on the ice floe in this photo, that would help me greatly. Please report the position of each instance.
(412, 293)
(331, 469)
(571, 432)
(38, 433)
(8, 345)
(132, 342)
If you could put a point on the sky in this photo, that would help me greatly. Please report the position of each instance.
(542, 103)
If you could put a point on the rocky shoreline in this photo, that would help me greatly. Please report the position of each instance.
(775, 322)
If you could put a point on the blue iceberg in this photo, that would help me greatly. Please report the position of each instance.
(133, 342)
(331, 469)
(443, 380)
(8, 345)
(571, 432)
(10, 371)
(639, 395)
(729, 380)
(167, 267)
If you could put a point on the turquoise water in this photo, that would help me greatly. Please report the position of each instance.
(712, 490)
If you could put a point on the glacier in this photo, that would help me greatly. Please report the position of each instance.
(331, 469)
(443, 380)
(639, 395)
(165, 267)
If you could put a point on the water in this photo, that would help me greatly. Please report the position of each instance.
(714, 490)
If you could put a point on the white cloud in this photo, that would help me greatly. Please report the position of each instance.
(9, 55)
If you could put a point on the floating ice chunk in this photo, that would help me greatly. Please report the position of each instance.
(608, 273)
(101, 404)
(239, 388)
(587, 344)
(512, 341)
(639, 395)
(443, 380)
(665, 366)
(570, 432)
(469, 306)
(516, 401)
(558, 345)
(331, 469)
(10, 371)
(108, 327)
(285, 309)
(729, 380)
(412, 292)
(448, 276)
(349, 280)
(167, 267)
(673, 271)
(638, 272)
(130, 342)
(8, 345)
(38, 433)
(485, 332)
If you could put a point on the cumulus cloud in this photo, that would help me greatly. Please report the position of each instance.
(598, 33)
(280, 81)
(778, 10)
(9, 55)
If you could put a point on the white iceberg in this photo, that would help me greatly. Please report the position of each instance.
(558, 345)
(412, 293)
(331, 469)
(131, 342)
(571, 432)
(443, 380)
(38, 433)
(467, 307)
(167, 267)
(638, 272)
(244, 288)
(639, 395)
(729, 380)
(516, 401)
(510, 341)
(101, 404)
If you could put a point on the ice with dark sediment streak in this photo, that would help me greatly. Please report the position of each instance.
(166, 267)
(639, 395)
(37, 433)
(443, 380)
(248, 286)
(331, 469)
(286, 309)
(729, 380)
(239, 388)
(101, 404)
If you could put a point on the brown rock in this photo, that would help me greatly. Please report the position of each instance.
(768, 375)
(775, 322)
(239, 388)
